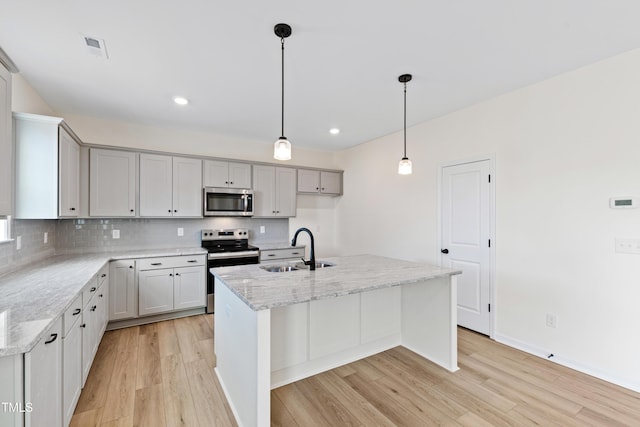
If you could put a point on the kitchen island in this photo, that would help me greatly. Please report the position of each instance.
(274, 328)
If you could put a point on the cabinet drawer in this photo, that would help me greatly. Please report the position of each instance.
(278, 254)
(170, 262)
(72, 315)
(103, 275)
(89, 291)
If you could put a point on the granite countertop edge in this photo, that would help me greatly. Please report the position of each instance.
(38, 274)
(233, 280)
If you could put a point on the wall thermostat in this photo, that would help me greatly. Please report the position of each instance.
(624, 202)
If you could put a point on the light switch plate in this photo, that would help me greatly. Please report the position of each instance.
(18, 243)
(180, 232)
(627, 245)
(46, 237)
(115, 234)
(262, 229)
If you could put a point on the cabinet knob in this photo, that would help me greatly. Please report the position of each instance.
(131, 266)
(94, 308)
(53, 338)
(177, 274)
(322, 188)
(175, 210)
(226, 182)
(131, 210)
(100, 295)
(317, 188)
(231, 182)
(277, 211)
(170, 275)
(84, 325)
(169, 211)
(103, 275)
(72, 209)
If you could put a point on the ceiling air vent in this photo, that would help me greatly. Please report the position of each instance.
(95, 46)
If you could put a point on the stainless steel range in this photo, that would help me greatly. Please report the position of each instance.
(226, 248)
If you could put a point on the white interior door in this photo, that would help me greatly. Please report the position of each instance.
(466, 232)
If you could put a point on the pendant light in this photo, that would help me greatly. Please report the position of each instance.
(404, 167)
(282, 147)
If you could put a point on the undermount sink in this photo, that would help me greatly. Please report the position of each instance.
(319, 264)
(278, 268)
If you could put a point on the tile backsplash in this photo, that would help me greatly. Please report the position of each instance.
(77, 236)
(33, 248)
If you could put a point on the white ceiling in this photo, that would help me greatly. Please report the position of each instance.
(342, 60)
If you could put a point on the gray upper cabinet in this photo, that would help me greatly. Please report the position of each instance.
(112, 183)
(319, 182)
(223, 174)
(6, 154)
(274, 191)
(170, 186)
(47, 168)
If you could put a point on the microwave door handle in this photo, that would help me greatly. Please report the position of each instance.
(245, 199)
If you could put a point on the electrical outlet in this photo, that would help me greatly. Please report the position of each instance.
(262, 229)
(115, 234)
(552, 321)
(46, 237)
(18, 243)
(180, 231)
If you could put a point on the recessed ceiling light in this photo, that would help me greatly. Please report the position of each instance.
(334, 131)
(180, 100)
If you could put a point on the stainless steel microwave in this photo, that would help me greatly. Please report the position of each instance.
(228, 201)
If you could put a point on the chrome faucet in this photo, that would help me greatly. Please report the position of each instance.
(312, 262)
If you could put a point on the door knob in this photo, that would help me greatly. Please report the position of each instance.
(444, 251)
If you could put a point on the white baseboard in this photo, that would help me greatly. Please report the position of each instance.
(543, 353)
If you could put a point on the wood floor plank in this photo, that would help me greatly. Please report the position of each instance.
(206, 349)
(90, 418)
(324, 401)
(167, 338)
(200, 327)
(95, 390)
(178, 401)
(120, 399)
(149, 407)
(300, 408)
(280, 416)
(149, 371)
(209, 403)
(120, 422)
(187, 340)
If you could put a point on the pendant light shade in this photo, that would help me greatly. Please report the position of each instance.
(282, 147)
(404, 167)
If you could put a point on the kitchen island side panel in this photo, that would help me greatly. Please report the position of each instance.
(242, 348)
(429, 320)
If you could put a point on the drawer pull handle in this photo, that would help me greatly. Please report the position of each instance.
(156, 263)
(295, 253)
(76, 312)
(53, 338)
(193, 260)
(271, 255)
(93, 289)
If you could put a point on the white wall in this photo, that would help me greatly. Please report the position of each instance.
(25, 99)
(562, 148)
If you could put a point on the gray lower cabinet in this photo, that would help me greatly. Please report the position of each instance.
(122, 290)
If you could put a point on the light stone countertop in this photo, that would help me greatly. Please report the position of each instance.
(261, 289)
(34, 297)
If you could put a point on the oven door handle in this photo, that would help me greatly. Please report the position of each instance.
(225, 255)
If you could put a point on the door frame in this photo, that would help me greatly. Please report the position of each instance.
(492, 227)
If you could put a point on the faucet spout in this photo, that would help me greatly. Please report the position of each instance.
(312, 262)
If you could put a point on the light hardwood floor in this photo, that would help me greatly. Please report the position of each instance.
(162, 374)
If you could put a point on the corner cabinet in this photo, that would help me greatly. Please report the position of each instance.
(47, 168)
(227, 174)
(319, 182)
(112, 183)
(274, 190)
(170, 186)
(6, 145)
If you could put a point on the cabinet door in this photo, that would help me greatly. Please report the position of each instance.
(69, 175)
(155, 291)
(71, 371)
(330, 182)
(239, 175)
(187, 187)
(285, 192)
(6, 145)
(264, 190)
(103, 311)
(189, 288)
(155, 185)
(216, 173)
(43, 379)
(112, 183)
(89, 336)
(308, 181)
(122, 302)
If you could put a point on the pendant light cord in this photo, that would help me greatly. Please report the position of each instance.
(405, 120)
(282, 129)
